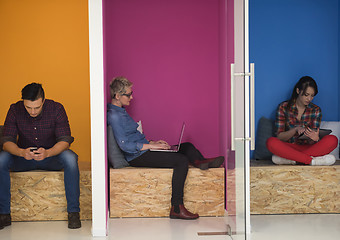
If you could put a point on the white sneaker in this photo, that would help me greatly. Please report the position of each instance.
(326, 160)
(282, 161)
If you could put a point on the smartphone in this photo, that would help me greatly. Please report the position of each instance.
(32, 149)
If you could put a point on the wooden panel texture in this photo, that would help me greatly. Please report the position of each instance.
(40, 196)
(279, 189)
(146, 192)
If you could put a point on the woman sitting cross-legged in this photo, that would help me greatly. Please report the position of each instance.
(294, 118)
(136, 147)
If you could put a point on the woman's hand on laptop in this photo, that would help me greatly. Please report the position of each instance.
(163, 142)
(155, 145)
(160, 144)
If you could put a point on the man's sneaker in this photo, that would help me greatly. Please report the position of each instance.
(282, 161)
(5, 220)
(325, 160)
(74, 220)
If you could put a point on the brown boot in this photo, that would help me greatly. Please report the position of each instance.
(209, 163)
(182, 214)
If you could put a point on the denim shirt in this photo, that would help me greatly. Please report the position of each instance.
(128, 138)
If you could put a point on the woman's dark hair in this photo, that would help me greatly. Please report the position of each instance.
(32, 92)
(302, 85)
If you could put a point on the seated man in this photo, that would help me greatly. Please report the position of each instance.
(37, 135)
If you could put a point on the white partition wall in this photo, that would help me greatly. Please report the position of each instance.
(98, 143)
(242, 110)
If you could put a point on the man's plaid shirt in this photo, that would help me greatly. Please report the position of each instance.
(45, 130)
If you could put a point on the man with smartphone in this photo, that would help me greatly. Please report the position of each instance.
(37, 135)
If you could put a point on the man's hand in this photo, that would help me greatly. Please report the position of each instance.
(40, 154)
(27, 154)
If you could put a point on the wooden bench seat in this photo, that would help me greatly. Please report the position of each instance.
(146, 192)
(40, 195)
(288, 189)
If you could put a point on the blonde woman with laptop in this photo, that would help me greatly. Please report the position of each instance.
(136, 148)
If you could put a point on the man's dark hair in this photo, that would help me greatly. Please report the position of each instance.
(32, 92)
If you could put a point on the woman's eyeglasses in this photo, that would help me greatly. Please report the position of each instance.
(128, 95)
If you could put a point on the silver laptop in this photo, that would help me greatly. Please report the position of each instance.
(173, 148)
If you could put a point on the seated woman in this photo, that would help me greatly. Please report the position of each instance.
(136, 148)
(299, 116)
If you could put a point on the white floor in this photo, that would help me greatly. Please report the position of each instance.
(264, 227)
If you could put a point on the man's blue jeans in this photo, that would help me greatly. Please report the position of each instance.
(67, 160)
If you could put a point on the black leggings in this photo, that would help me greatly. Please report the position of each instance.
(178, 161)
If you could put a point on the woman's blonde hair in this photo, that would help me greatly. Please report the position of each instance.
(119, 85)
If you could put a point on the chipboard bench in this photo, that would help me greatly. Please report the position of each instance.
(40, 195)
(146, 192)
(294, 189)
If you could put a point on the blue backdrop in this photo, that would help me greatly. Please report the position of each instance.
(290, 39)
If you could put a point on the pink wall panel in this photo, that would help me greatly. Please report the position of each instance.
(170, 50)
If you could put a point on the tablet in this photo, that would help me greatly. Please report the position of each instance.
(322, 133)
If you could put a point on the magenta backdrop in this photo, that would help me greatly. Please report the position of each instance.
(172, 52)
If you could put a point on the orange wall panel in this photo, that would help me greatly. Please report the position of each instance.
(47, 42)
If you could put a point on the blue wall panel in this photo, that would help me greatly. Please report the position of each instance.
(290, 39)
